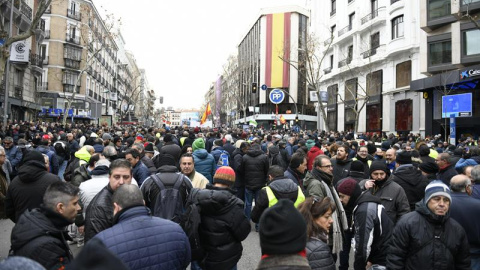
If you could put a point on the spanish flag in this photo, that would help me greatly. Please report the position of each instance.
(207, 112)
(282, 119)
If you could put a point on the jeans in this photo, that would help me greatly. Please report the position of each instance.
(61, 169)
(345, 253)
(249, 196)
(194, 266)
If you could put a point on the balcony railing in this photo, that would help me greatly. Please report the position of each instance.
(344, 62)
(328, 41)
(74, 14)
(327, 70)
(47, 34)
(26, 10)
(370, 52)
(45, 60)
(370, 16)
(41, 25)
(68, 88)
(333, 12)
(393, 1)
(71, 39)
(70, 63)
(43, 86)
(89, 70)
(18, 92)
(344, 30)
(36, 60)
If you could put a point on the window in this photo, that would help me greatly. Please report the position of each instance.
(403, 115)
(332, 92)
(438, 9)
(351, 89)
(331, 61)
(43, 51)
(332, 114)
(374, 7)
(332, 120)
(374, 83)
(333, 10)
(351, 17)
(69, 77)
(333, 28)
(471, 39)
(440, 53)
(350, 54)
(374, 117)
(73, 53)
(466, 2)
(375, 40)
(397, 27)
(404, 74)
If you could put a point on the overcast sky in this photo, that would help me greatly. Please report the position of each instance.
(182, 45)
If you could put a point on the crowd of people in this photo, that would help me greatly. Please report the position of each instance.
(159, 198)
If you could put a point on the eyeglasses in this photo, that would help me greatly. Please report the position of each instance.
(7, 142)
(327, 166)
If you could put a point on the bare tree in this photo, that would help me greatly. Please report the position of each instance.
(234, 89)
(130, 98)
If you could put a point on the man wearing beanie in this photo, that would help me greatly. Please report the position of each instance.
(27, 189)
(357, 171)
(429, 169)
(223, 223)
(428, 238)
(392, 194)
(283, 238)
(409, 178)
(372, 227)
(204, 162)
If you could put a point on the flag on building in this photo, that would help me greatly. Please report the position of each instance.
(207, 112)
(282, 119)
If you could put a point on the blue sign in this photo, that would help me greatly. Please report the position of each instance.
(264, 87)
(453, 130)
(276, 96)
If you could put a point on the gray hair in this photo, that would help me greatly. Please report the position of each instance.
(109, 151)
(317, 162)
(2, 150)
(461, 185)
(476, 174)
(139, 147)
(127, 196)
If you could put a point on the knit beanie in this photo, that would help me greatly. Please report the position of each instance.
(404, 157)
(224, 175)
(168, 138)
(379, 165)
(106, 136)
(357, 166)
(310, 144)
(429, 167)
(198, 144)
(436, 188)
(283, 229)
(347, 186)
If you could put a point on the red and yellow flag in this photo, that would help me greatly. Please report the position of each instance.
(207, 112)
(282, 119)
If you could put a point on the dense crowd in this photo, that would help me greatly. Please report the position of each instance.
(159, 198)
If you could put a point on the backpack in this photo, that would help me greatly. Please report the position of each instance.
(223, 159)
(190, 223)
(169, 203)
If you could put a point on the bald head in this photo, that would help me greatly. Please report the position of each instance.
(459, 183)
(390, 155)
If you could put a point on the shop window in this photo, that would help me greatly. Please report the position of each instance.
(351, 89)
(374, 117)
(403, 74)
(403, 115)
(374, 83)
(332, 120)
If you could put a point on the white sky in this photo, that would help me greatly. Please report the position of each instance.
(182, 44)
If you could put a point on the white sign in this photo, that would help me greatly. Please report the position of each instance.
(113, 96)
(19, 52)
(313, 96)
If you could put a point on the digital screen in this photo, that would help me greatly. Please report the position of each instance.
(457, 105)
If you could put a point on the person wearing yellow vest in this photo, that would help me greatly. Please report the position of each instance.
(279, 187)
(365, 158)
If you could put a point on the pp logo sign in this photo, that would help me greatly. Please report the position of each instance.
(276, 96)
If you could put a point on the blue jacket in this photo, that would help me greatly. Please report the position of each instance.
(142, 241)
(14, 155)
(140, 172)
(205, 164)
(52, 158)
(466, 211)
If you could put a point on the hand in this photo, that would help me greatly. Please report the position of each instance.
(369, 184)
(81, 229)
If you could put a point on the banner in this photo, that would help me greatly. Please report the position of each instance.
(19, 52)
(207, 112)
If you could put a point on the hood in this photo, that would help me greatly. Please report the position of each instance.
(33, 224)
(409, 174)
(216, 201)
(31, 171)
(273, 150)
(83, 154)
(367, 197)
(167, 168)
(255, 151)
(315, 150)
(421, 207)
(283, 185)
(100, 170)
(201, 153)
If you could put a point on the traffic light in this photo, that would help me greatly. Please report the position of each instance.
(254, 87)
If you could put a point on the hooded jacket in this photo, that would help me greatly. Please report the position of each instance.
(393, 198)
(412, 181)
(373, 230)
(41, 236)
(223, 228)
(80, 175)
(423, 240)
(254, 168)
(282, 188)
(311, 155)
(27, 189)
(204, 163)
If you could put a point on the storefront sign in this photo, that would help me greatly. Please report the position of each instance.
(19, 51)
(469, 73)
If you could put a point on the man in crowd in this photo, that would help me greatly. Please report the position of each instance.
(476, 182)
(99, 214)
(144, 158)
(428, 238)
(40, 233)
(14, 155)
(390, 157)
(446, 168)
(187, 167)
(139, 170)
(297, 168)
(163, 243)
(341, 164)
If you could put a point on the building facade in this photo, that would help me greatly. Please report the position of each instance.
(451, 60)
(372, 52)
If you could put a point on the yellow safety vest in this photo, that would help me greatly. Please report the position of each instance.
(369, 162)
(272, 200)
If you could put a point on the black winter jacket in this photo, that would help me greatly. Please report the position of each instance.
(172, 149)
(341, 169)
(99, 214)
(41, 236)
(224, 226)
(27, 189)
(282, 188)
(254, 168)
(319, 255)
(423, 240)
(168, 175)
(412, 181)
(393, 198)
(446, 174)
(237, 158)
(373, 229)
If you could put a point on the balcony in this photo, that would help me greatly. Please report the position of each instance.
(393, 1)
(75, 40)
(25, 9)
(327, 70)
(43, 86)
(94, 74)
(344, 30)
(68, 88)
(70, 63)
(370, 52)
(18, 92)
(89, 70)
(47, 34)
(327, 42)
(333, 12)
(74, 14)
(36, 60)
(344, 62)
(45, 60)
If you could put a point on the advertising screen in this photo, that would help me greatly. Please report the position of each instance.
(457, 105)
